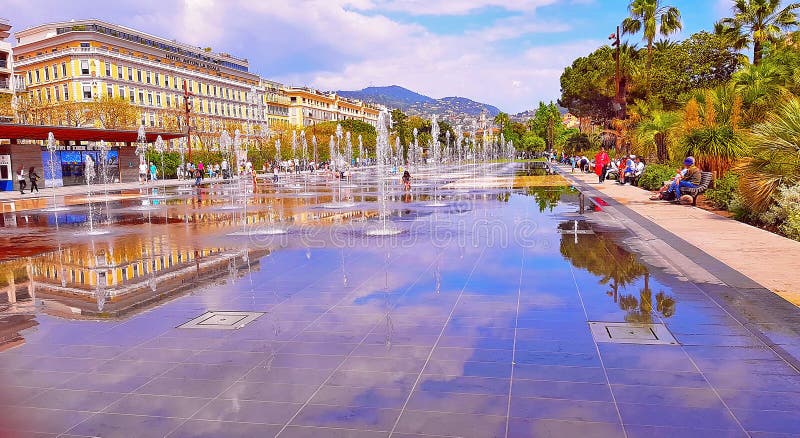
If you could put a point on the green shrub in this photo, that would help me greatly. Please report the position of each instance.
(171, 162)
(206, 157)
(724, 191)
(654, 176)
(785, 211)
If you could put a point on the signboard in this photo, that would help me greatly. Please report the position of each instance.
(193, 62)
(5, 160)
(52, 171)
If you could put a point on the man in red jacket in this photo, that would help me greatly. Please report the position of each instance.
(601, 162)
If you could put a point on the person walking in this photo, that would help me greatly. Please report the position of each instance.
(202, 170)
(33, 177)
(21, 180)
(153, 172)
(601, 161)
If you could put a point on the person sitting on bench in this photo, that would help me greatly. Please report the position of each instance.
(636, 172)
(628, 170)
(689, 176)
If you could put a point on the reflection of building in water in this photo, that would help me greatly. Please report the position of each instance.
(129, 273)
(10, 328)
(15, 303)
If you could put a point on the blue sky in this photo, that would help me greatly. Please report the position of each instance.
(509, 53)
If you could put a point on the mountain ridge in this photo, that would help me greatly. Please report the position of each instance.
(413, 103)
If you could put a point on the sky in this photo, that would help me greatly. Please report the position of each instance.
(508, 53)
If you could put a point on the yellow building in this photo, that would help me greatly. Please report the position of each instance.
(6, 70)
(88, 60)
(309, 106)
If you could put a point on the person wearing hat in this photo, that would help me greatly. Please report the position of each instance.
(691, 178)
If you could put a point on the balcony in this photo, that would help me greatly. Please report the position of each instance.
(5, 84)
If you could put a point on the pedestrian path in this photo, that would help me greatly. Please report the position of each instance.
(766, 258)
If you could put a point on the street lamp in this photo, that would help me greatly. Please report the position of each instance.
(618, 107)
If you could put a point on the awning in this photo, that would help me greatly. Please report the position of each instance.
(68, 133)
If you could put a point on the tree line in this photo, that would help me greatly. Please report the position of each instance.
(729, 96)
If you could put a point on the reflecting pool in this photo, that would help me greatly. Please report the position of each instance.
(473, 320)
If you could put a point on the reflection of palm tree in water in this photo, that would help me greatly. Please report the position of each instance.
(641, 310)
(547, 198)
(617, 269)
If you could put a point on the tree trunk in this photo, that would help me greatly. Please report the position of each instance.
(757, 52)
(661, 148)
(649, 65)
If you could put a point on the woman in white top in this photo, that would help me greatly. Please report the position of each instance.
(21, 180)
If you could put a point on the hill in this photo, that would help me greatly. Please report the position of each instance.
(413, 103)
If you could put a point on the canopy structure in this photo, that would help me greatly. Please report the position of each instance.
(67, 133)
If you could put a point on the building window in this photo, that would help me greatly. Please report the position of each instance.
(64, 69)
(166, 81)
(150, 99)
(87, 92)
(130, 73)
(108, 69)
(132, 95)
(169, 102)
(55, 72)
(158, 80)
(152, 120)
(49, 96)
(110, 91)
(85, 45)
(141, 97)
(139, 75)
(158, 99)
(148, 77)
(57, 93)
(46, 74)
(66, 92)
(119, 71)
(122, 92)
(84, 67)
(36, 73)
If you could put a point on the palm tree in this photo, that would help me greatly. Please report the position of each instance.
(715, 139)
(664, 45)
(657, 130)
(733, 35)
(653, 18)
(501, 120)
(757, 22)
(760, 87)
(773, 162)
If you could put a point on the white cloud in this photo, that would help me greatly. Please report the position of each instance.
(346, 44)
(455, 7)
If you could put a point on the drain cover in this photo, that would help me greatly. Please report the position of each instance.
(629, 333)
(222, 320)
